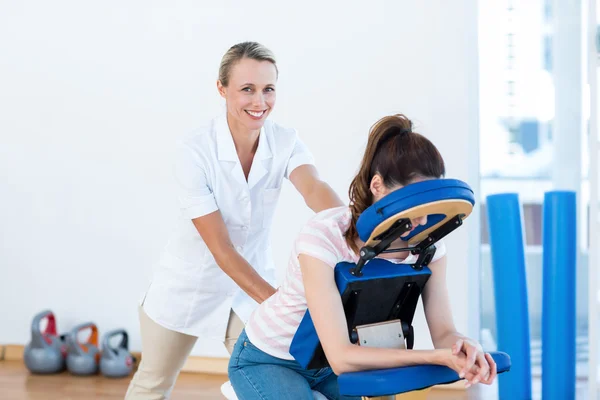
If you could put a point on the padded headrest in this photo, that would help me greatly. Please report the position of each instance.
(439, 199)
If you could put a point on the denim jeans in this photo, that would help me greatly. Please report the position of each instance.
(255, 375)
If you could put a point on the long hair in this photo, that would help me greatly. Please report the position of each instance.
(396, 153)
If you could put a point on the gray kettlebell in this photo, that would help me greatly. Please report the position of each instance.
(46, 352)
(83, 358)
(116, 362)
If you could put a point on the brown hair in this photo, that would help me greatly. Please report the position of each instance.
(396, 153)
(251, 50)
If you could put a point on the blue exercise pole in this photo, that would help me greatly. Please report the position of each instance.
(558, 295)
(507, 245)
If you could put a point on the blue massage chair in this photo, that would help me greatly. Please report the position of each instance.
(380, 297)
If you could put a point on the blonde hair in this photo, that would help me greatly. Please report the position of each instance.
(251, 50)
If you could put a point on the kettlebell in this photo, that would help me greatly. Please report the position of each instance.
(46, 352)
(83, 358)
(116, 362)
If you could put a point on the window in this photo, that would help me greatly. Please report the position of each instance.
(519, 141)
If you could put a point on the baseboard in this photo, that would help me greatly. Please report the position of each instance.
(12, 352)
(206, 365)
(194, 364)
(458, 385)
(203, 365)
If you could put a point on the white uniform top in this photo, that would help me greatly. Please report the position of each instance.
(189, 292)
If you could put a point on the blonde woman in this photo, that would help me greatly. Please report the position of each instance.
(216, 268)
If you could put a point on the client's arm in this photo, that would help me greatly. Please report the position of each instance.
(436, 304)
(325, 306)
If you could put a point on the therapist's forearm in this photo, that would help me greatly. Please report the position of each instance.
(322, 197)
(244, 275)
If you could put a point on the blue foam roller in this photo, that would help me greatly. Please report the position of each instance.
(558, 295)
(507, 245)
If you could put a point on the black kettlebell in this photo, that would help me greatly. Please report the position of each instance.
(116, 362)
(46, 352)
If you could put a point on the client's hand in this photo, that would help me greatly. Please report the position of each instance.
(458, 363)
(475, 357)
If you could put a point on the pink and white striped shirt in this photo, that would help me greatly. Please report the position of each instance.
(274, 323)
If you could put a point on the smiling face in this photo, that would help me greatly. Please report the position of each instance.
(249, 94)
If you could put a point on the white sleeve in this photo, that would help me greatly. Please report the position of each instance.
(300, 156)
(440, 250)
(194, 192)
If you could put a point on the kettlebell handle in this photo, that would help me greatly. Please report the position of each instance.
(124, 341)
(50, 328)
(74, 340)
(36, 333)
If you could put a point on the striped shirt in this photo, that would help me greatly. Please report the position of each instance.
(274, 323)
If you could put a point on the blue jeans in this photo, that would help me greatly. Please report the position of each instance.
(255, 375)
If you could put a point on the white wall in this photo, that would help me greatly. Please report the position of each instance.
(93, 97)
